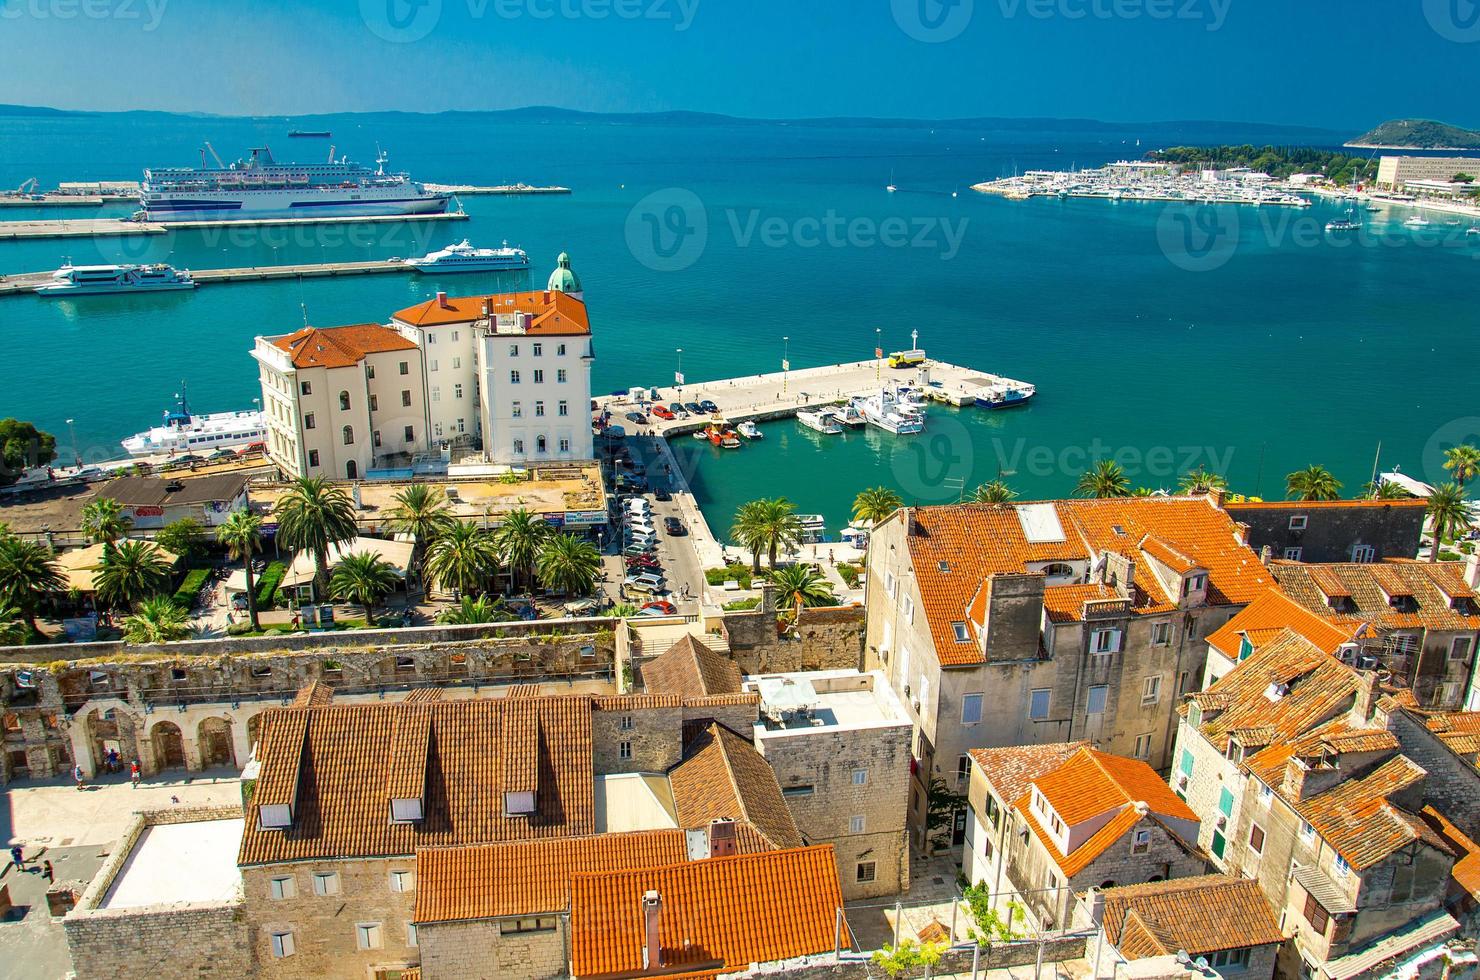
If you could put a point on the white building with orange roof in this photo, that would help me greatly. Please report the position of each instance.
(510, 372)
(1019, 624)
(341, 401)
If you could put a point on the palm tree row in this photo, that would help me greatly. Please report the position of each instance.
(769, 526)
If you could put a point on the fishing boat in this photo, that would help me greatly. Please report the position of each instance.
(820, 420)
(883, 411)
(749, 430)
(1006, 394)
(721, 435)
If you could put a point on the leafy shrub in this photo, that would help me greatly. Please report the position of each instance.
(849, 573)
(267, 585)
(731, 572)
(190, 587)
(742, 604)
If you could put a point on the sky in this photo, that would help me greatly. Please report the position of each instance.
(1342, 64)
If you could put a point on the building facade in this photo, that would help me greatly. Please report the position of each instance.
(1333, 530)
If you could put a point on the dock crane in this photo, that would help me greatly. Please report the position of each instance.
(214, 155)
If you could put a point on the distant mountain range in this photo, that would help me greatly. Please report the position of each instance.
(1419, 134)
(555, 114)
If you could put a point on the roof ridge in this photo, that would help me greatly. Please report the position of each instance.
(1094, 755)
(716, 731)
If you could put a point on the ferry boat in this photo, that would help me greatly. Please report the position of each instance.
(182, 432)
(1008, 394)
(260, 187)
(464, 257)
(821, 420)
(883, 411)
(318, 134)
(749, 430)
(86, 280)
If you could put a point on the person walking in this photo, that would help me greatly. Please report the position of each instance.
(77, 775)
(18, 857)
(48, 872)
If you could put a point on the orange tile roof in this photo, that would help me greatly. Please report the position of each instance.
(336, 347)
(1359, 821)
(528, 877)
(554, 313)
(314, 692)
(721, 777)
(1459, 730)
(1433, 586)
(1272, 612)
(1466, 871)
(337, 765)
(978, 540)
(1065, 603)
(1011, 769)
(1203, 914)
(1319, 687)
(1336, 737)
(691, 669)
(719, 915)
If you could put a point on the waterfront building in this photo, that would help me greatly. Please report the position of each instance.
(1002, 625)
(510, 372)
(1048, 822)
(1395, 173)
(341, 401)
(152, 502)
(1332, 530)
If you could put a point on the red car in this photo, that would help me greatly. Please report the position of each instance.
(663, 412)
(666, 608)
(643, 562)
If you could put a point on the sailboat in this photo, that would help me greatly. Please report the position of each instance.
(1348, 223)
(890, 187)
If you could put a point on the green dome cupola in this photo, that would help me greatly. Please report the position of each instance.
(564, 279)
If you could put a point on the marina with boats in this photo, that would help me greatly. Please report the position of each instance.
(1139, 180)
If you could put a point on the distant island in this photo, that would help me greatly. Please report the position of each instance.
(1277, 161)
(1418, 134)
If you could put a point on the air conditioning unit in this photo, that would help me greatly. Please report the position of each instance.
(1181, 780)
(1221, 823)
(1366, 663)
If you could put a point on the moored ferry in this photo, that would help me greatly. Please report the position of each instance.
(183, 432)
(88, 280)
(465, 257)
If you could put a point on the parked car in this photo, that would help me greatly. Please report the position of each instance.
(662, 494)
(636, 417)
(659, 607)
(693, 408)
(679, 412)
(674, 526)
(644, 562)
(708, 406)
(633, 550)
(664, 412)
(648, 582)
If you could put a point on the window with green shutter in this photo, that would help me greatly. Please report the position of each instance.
(1186, 762)
(1225, 802)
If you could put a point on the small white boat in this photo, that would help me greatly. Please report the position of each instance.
(464, 257)
(820, 421)
(91, 280)
(749, 430)
(1473, 231)
(883, 411)
(1417, 221)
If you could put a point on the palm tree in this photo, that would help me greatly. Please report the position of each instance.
(568, 564)
(1448, 512)
(363, 578)
(1144, 492)
(1463, 462)
(519, 539)
(12, 626)
(103, 521)
(622, 610)
(801, 585)
(423, 512)
(748, 531)
(471, 612)
(1201, 480)
(875, 504)
(994, 492)
(1312, 483)
(315, 515)
(1105, 479)
(130, 572)
(464, 558)
(1384, 490)
(28, 572)
(156, 620)
(779, 526)
(241, 535)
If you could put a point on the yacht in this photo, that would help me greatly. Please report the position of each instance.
(1474, 230)
(83, 280)
(1008, 394)
(1348, 223)
(1417, 221)
(884, 411)
(464, 257)
(183, 432)
(813, 528)
(820, 420)
(749, 430)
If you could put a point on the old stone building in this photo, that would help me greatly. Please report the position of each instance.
(1051, 821)
(1032, 623)
(1332, 530)
(1269, 615)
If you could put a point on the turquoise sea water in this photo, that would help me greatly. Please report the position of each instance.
(1243, 339)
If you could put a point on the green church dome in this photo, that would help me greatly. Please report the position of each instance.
(563, 279)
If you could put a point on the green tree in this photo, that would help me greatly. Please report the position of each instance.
(801, 585)
(875, 504)
(313, 516)
(156, 620)
(994, 492)
(363, 578)
(241, 535)
(23, 446)
(131, 571)
(1201, 480)
(1448, 512)
(103, 520)
(1312, 483)
(1105, 479)
(423, 512)
(768, 525)
(185, 537)
(988, 924)
(519, 540)
(1384, 490)
(568, 564)
(908, 955)
(622, 610)
(474, 611)
(1463, 462)
(463, 558)
(749, 532)
(28, 574)
(12, 625)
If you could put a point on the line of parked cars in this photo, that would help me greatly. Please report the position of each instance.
(640, 553)
(671, 411)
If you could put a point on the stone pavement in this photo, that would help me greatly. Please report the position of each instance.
(33, 944)
(54, 813)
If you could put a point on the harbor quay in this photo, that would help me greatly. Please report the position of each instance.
(497, 190)
(26, 282)
(105, 227)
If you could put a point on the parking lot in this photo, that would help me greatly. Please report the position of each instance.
(640, 481)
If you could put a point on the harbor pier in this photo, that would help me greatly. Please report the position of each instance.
(27, 281)
(106, 227)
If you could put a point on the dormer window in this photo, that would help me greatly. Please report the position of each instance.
(1194, 583)
(274, 817)
(1299, 522)
(406, 811)
(518, 804)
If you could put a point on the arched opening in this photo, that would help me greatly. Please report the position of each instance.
(254, 727)
(1108, 884)
(1058, 570)
(169, 745)
(351, 470)
(344, 401)
(216, 748)
(349, 435)
(110, 737)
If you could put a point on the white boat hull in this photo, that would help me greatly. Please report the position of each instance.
(252, 205)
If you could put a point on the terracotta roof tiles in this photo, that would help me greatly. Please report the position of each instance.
(1264, 618)
(1010, 770)
(336, 347)
(691, 669)
(1203, 914)
(1359, 821)
(1428, 593)
(552, 313)
(723, 777)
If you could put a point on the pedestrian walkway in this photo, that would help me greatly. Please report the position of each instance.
(56, 813)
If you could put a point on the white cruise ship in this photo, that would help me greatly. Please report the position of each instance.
(85, 280)
(261, 188)
(464, 257)
(182, 432)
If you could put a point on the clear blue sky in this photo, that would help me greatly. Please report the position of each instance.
(1337, 63)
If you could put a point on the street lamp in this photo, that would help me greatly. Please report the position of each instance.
(785, 362)
(76, 453)
(678, 374)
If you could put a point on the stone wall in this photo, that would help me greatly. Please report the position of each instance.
(823, 639)
(475, 950)
(957, 960)
(654, 736)
(1452, 785)
(1332, 531)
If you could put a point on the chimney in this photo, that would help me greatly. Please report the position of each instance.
(652, 909)
(486, 309)
(1266, 554)
(1241, 532)
(1216, 496)
(1096, 905)
(1366, 691)
(722, 838)
(1472, 571)
(442, 299)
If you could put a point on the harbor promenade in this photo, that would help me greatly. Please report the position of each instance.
(114, 227)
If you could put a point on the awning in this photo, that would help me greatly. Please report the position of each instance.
(396, 554)
(1324, 890)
